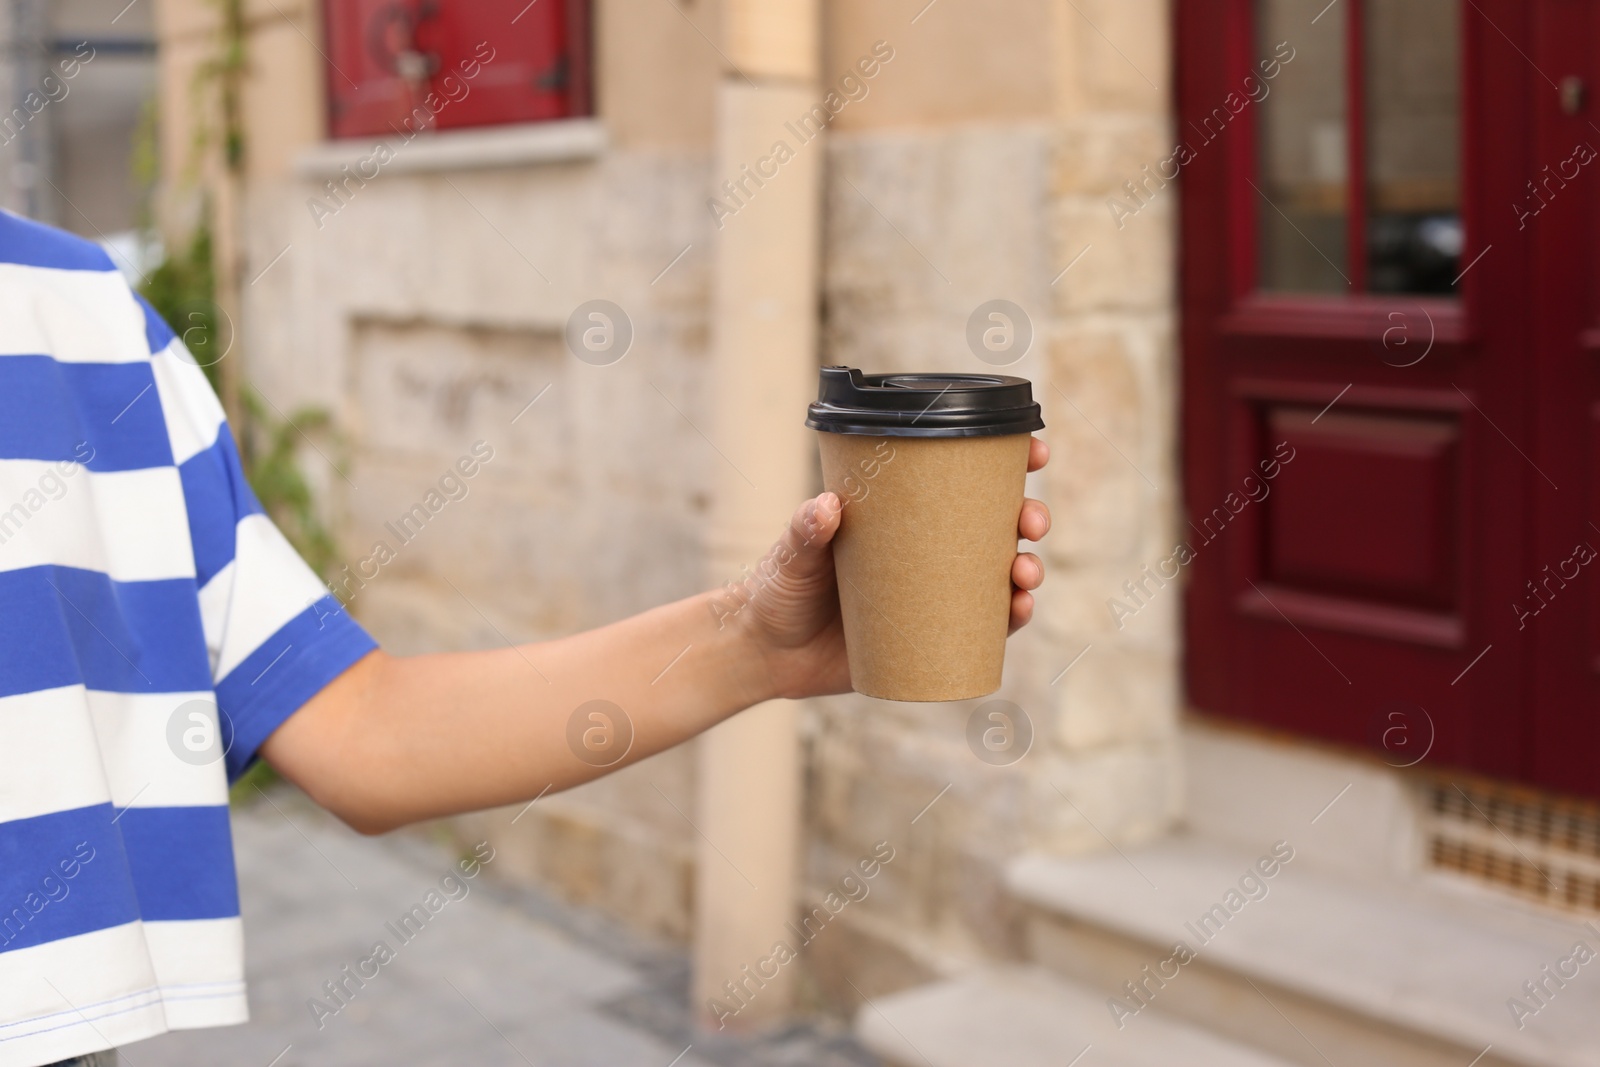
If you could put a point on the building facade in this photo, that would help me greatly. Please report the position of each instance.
(417, 281)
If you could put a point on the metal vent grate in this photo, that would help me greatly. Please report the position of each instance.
(1539, 848)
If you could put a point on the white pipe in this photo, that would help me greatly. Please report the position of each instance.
(764, 368)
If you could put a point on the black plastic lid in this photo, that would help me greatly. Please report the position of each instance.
(923, 405)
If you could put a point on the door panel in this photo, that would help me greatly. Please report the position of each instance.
(1368, 509)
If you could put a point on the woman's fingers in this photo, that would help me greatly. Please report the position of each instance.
(1027, 571)
(1021, 609)
(1038, 454)
(1034, 522)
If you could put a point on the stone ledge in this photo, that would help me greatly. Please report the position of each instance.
(517, 145)
(869, 957)
(1027, 1017)
(1399, 955)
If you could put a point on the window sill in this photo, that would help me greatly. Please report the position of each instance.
(519, 145)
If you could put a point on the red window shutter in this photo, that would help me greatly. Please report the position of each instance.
(399, 65)
(365, 90)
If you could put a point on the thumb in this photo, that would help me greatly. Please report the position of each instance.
(814, 523)
(797, 588)
(803, 548)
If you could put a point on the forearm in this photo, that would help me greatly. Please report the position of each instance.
(395, 740)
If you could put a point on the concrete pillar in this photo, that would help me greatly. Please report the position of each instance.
(764, 374)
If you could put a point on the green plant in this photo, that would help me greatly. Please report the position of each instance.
(224, 72)
(272, 463)
(183, 289)
(259, 776)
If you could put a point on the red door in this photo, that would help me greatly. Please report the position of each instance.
(1391, 320)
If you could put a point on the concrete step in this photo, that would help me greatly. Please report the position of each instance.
(1028, 1017)
(1315, 966)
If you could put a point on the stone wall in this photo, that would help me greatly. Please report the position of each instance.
(423, 313)
(1113, 380)
(426, 314)
(925, 223)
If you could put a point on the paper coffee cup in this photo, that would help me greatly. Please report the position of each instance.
(930, 468)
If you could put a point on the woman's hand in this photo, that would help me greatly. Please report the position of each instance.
(794, 616)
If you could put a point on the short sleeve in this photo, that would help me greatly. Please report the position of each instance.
(274, 634)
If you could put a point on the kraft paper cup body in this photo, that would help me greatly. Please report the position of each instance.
(924, 551)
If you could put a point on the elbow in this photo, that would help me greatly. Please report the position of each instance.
(348, 802)
(360, 814)
(368, 825)
(325, 750)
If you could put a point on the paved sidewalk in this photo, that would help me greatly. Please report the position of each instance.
(501, 977)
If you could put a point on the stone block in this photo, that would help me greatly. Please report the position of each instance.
(956, 63)
(1076, 612)
(1118, 695)
(1094, 154)
(925, 226)
(655, 77)
(1132, 71)
(430, 387)
(408, 617)
(597, 858)
(1097, 410)
(1144, 608)
(1126, 794)
(1113, 56)
(1127, 266)
(874, 957)
(283, 102)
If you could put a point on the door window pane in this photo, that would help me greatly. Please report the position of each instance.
(1406, 235)
(1413, 145)
(1304, 152)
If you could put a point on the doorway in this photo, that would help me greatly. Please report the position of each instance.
(1391, 405)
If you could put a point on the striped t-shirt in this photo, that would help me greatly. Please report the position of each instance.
(155, 627)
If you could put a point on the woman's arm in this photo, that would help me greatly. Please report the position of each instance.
(394, 740)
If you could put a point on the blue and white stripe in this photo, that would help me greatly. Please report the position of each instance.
(138, 574)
